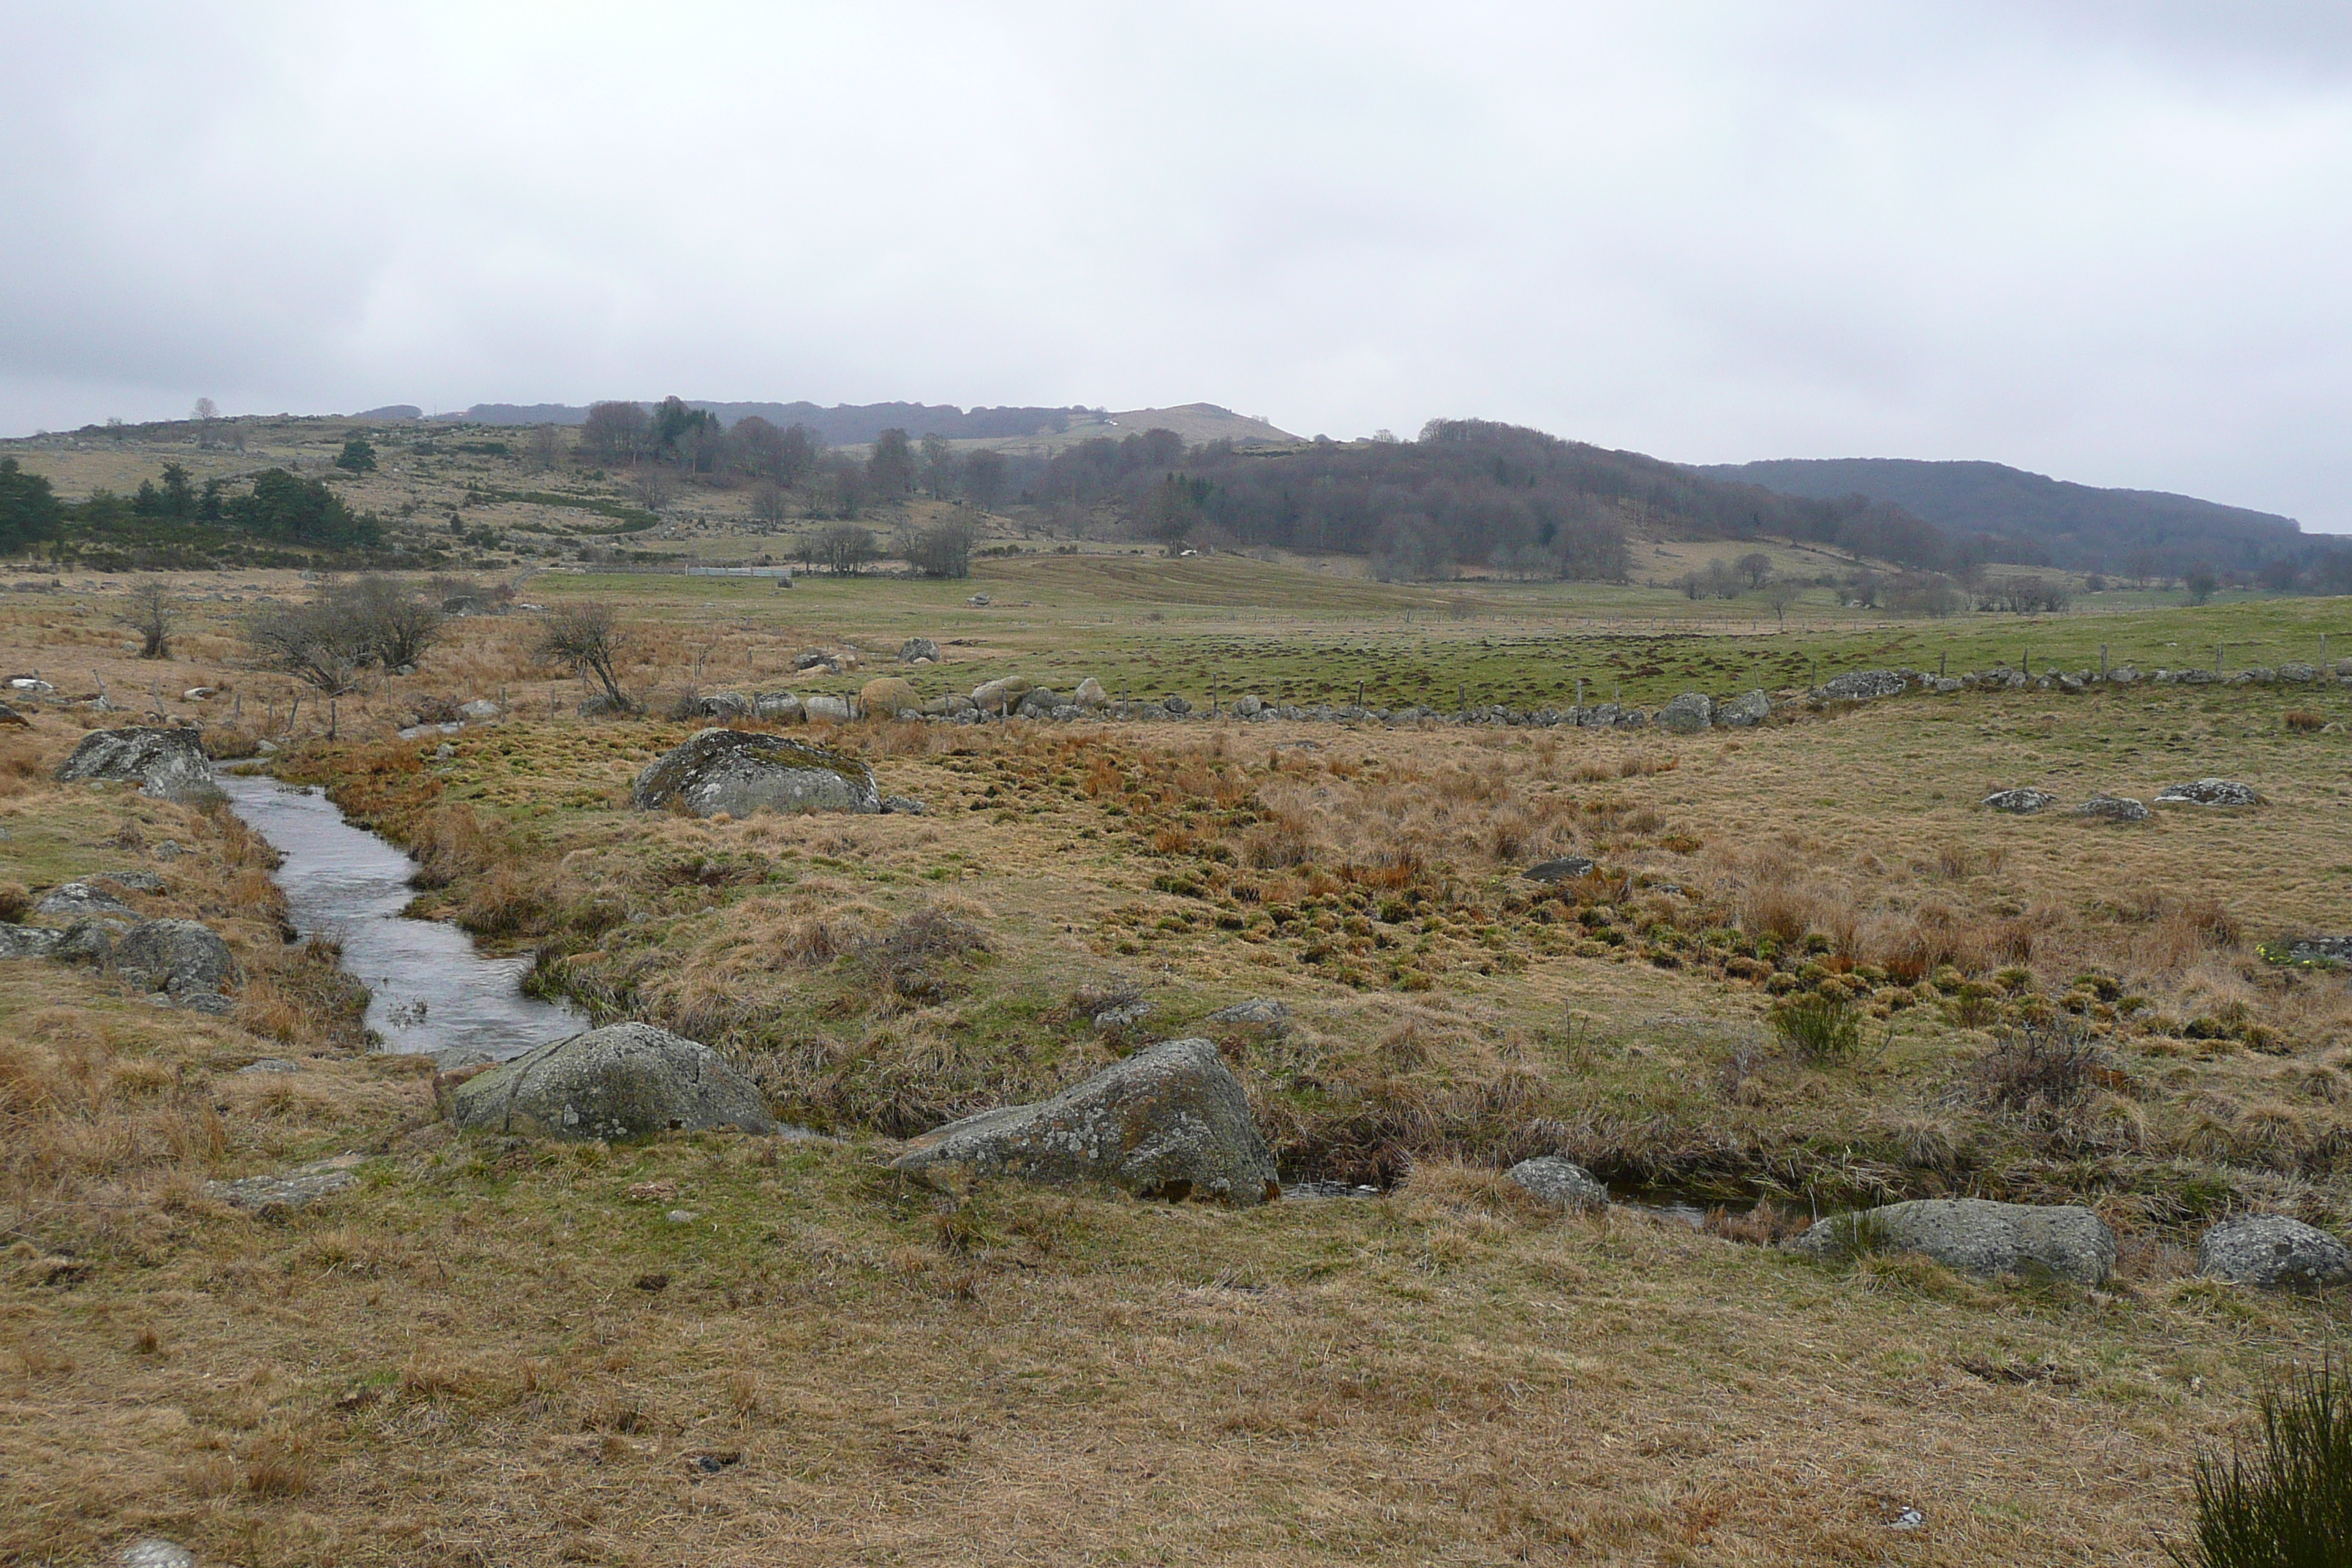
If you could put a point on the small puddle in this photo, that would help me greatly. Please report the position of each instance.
(430, 993)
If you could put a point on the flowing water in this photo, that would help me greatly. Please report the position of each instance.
(430, 993)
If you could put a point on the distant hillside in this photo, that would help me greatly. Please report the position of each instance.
(2040, 520)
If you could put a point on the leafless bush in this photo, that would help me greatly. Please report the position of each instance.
(588, 640)
(2038, 1067)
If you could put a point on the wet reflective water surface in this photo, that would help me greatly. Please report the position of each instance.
(431, 993)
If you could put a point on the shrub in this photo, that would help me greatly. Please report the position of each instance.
(2285, 1499)
(1818, 1027)
(16, 903)
(2034, 1066)
(2305, 720)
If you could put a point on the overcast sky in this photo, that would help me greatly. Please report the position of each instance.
(2104, 241)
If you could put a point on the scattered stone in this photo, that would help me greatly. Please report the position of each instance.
(1248, 706)
(915, 648)
(832, 710)
(2301, 674)
(1567, 868)
(294, 1189)
(979, 599)
(445, 751)
(1170, 1121)
(168, 850)
(2274, 1252)
(199, 694)
(1119, 1017)
(681, 1216)
(1262, 1010)
(154, 1551)
(80, 901)
(269, 1064)
(778, 707)
(1176, 705)
(2114, 808)
(166, 764)
(2207, 792)
(889, 697)
(815, 658)
(2320, 949)
(2020, 802)
(628, 1081)
(1975, 1235)
(725, 706)
(478, 709)
(740, 772)
(185, 958)
(1689, 714)
(903, 806)
(1563, 1184)
(1745, 712)
(1090, 694)
(132, 882)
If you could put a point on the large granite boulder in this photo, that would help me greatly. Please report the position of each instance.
(2207, 792)
(1689, 714)
(740, 772)
(824, 709)
(1744, 712)
(628, 1081)
(2274, 1252)
(916, 648)
(778, 707)
(992, 696)
(888, 697)
(1170, 1121)
(1090, 694)
(182, 957)
(725, 706)
(1563, 1184)
(1975, 1236)
(167, 763)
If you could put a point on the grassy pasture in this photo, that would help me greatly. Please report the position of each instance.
(503, 1352)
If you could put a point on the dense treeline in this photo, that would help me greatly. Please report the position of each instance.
(172, 522)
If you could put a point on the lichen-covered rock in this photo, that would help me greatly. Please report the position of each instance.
(1744, 712)
(2207, 792)
(80, 901)
(1864, 683)
(1170, 1122)
(1261, 1010)
(1975, 1236)
(183, 957)
(295, 1189)
(740, 772)
(2274, 1252)
(2020, 802)
(2115, 808)
(628, 1081)
(778, 707)
(167, 763)
(1689, 714)
(889, 697)
(1563, 1184)
(1567, 868)
(1090, 694)
(829, 709)
(28, 942)
(914, 649)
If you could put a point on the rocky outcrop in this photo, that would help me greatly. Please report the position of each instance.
(740, 772)
(295, 1189)
(1563, 1184)
(2207, 792)
(1745, 712)
(1975, 1235)
(2274, 1252)
(629, 1080)
(185, 958)
(919, 648)
(1170, 1122)
(1689, 714)
(80, 901)
(167, 763)
(2114, 808)
(2020, 802)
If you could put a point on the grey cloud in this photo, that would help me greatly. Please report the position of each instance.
(2095, 239)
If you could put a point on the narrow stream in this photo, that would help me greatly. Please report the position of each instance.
(431, 994)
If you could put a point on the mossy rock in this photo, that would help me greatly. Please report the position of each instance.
(628, 1082)
(740, 772)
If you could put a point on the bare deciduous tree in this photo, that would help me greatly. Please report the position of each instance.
(545, 447)
(315, 643)
(654, 485)
(844, 547)
(154, 612)
(771, 503)
(587, 640)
